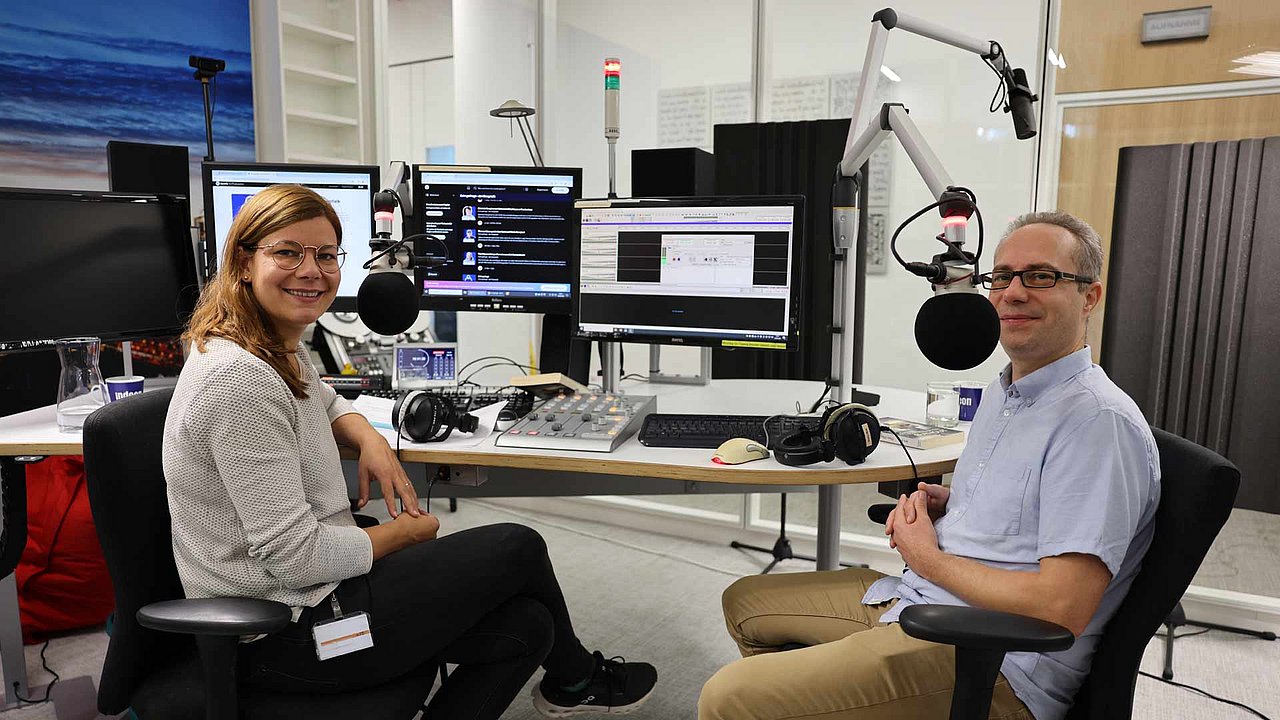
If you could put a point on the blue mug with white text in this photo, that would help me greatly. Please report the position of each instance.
(970, 398)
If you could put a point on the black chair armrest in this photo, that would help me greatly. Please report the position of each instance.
(216, 616)
(984, 629)
(879, 513)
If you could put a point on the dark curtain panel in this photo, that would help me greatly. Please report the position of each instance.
(783, 159)
(1191, 329)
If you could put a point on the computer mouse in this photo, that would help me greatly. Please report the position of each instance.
(736, 451)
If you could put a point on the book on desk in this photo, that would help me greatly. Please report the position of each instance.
(918, 435)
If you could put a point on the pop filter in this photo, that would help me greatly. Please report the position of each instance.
(957, 330)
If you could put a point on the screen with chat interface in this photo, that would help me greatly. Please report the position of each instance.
(507, 231)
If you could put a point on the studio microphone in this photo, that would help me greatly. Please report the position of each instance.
(958, 328)
(1020, 99)
(388, 298)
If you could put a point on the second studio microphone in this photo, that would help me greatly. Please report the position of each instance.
(958, 328)
(387, 301)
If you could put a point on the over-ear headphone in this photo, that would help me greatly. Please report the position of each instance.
(849, 432)
(422, 416)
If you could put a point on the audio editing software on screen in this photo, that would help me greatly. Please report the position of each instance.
(719, 274)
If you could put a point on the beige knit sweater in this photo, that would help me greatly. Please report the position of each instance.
(255, 485)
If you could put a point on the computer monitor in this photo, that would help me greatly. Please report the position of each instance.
(116, 266)
(425, 365)
(508, 231)
(349, 188)
(721, 272)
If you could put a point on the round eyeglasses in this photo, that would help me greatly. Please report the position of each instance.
(1039, 279)
(288, 255)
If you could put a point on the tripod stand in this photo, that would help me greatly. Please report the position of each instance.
(781, 549)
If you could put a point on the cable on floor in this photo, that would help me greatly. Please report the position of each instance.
(1209, 695)
(612, 541)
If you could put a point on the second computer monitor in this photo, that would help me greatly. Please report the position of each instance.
(348, 188)
(508, 232)
(720, 272)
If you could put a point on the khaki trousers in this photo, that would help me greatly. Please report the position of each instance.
(853, 669)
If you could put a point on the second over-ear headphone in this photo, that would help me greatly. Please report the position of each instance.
(849, 432)
(422, 416)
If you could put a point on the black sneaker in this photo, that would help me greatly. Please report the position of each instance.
(616, 688)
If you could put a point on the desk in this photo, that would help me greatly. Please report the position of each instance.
(35, 433)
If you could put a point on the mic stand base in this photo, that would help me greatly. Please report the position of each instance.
(781, 549)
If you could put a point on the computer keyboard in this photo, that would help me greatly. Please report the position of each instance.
(709, 431)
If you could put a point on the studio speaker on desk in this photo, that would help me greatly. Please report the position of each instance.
(561, 352)
(672, 172)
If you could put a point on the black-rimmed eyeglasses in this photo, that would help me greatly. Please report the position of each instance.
(288, 255)
(1038, 278)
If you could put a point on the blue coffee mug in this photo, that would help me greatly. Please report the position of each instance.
(970, 398)
(122, 386)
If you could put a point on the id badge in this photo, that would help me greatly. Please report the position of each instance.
(342, 635)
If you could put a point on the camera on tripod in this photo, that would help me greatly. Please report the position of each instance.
(206, 67)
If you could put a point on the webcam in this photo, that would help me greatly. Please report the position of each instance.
(206, 67)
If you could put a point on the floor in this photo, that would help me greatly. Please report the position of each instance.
(621, 584)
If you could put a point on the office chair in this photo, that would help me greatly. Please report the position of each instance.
(1198, 490)
(174, 658)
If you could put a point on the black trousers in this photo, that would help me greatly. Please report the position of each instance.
(486, 599)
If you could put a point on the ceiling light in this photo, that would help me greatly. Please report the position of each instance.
(884, 70)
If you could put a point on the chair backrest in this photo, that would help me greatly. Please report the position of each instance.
(1198, 490)
(125, 477)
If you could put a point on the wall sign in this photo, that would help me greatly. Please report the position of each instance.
(1176, 24)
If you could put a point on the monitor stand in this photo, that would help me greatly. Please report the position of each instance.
(656, 375)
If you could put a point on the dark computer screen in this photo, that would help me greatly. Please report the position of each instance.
(721, 272)
(135, 167)
(115, 266)
(349, 188)
(508, 231)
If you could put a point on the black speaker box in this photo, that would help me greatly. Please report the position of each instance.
(672, 172)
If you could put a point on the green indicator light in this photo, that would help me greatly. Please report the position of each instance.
(612, 82)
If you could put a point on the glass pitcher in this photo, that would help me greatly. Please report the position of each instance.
(80, 389)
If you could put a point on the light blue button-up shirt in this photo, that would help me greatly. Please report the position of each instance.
(1061, 461)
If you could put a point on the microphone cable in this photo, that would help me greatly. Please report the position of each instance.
(893, 241)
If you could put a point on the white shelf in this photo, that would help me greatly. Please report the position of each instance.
(300, 27)
(319, 76)
(321, 159)
(325, 119)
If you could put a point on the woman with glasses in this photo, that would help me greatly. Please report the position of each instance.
(259, 506)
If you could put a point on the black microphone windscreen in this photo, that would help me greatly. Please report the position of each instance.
(957, 330)
(387, 302)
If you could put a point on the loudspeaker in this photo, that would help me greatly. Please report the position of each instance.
(672, 172)
(849, 432)
(134, 167)
(421, 416)
(561, 352)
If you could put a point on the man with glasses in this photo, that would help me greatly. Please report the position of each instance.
(1048, 515)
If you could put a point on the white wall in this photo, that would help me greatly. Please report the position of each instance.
(493, 42)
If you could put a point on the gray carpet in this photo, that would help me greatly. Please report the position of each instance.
(656, 598)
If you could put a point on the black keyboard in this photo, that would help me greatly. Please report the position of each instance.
(709, 431)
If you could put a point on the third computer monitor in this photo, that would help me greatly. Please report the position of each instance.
(349, 188)
(720, 272)
(508, 233)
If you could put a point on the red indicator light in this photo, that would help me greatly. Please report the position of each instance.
(954, 220)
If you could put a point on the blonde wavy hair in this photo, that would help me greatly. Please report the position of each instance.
(227, 307)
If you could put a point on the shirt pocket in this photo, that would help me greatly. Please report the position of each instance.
(997, 503)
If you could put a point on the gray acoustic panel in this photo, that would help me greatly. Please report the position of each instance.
(1235, 258)
(1142, 276)
(1255, 422)
(1183, 338)
(1193, 314)
(1200, 387)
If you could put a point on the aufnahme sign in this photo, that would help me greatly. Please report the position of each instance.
(1176, 24)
